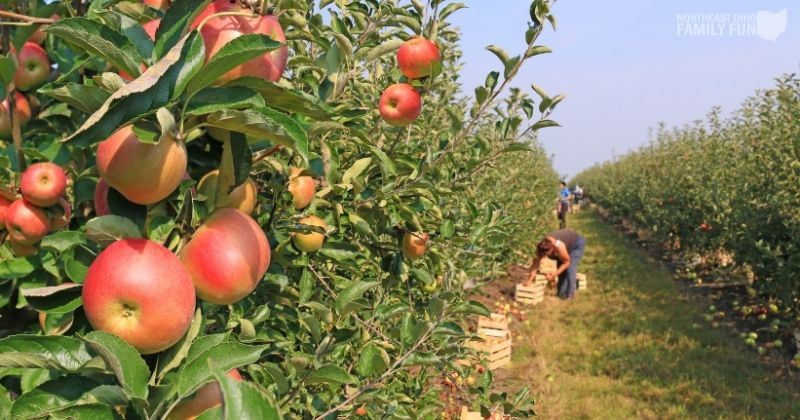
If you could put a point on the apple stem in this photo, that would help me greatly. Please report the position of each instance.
(29, 19)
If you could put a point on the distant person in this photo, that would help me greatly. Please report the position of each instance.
(566, 247)
(578, 193)
(563, 205)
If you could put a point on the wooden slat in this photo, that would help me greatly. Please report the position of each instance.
(470, 415)
(582, 281)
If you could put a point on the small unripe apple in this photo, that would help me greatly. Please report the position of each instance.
(400, 104)
(33, 67)
(26, 223)
(139, 290)
(22, 250)
(414, 244)
(312, 241)
(207, 397)
(62, 220)
(244, 197)
(220, 30)
(302, 188)
(43, 184)
(4, 205)
(227, 257)
(22, 110)
(417, 57)
(143, 173)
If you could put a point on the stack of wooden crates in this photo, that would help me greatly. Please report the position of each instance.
(496, 340)
(533, 294)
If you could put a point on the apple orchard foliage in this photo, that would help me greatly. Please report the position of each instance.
(354, 324)
(727, 185)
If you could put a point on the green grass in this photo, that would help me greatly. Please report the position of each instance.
(631, 347)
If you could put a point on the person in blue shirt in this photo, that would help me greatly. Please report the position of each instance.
(563, 205)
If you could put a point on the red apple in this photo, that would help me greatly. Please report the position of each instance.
(101, 198)
(26, 223)
(150, 27)
(43, 184)
(416, 57)
(312, 241)
(400, 104)
(158, 4)
(143, 173)
(244, 197)
(220, 30)
(33, 67)
(62, 220)
(414, 244)
(38, 36)
(227, 257)
(21, 250)
(361, 411)
(207, 397)
(141, 292)
(22, 109)
(4, 205)
(302, 188)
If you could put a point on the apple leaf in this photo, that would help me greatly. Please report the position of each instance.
(242, 400)
(85, 98)
(214, 99)
(350, 294)
(263, 123)
(69, 393)
(130, 28)
(330, 374)
(227, 356)
(285, 99)
(63, 241)
(236, 52)
(99, 40)
(15, 268)
(110, 228)
(174, 24)
(66, 354)
(173, 357)
(124, 360)
(214, 413)
(54, 299)
(372, 360)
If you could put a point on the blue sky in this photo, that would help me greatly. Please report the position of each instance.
(624, 67)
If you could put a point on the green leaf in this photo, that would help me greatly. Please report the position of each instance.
(15, 268)
(422, 359)
(54, 299)
(350, 294)
(211, 414)
(8, 67)
(227, 356)
(373, 360)
(173, 357)
(219, 98)
(63, 241)
(500, 53)
(284, 99)
(382, 49)
(471, 308)
(177, 19)
(356, 170)
(517, 147)
(447, 229)
(130, 29)
(244, 401)
(330, 374)
(85, 98)
(544, 124)
(450, 9)
(384, 311)
(124, 360)
(236, 52)
(107, 229)
(66, 354)
(263, 123)
(99, 40)
(387, 165)
(65, 393)
(537, 50)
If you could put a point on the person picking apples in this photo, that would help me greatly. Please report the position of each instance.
(566, 247)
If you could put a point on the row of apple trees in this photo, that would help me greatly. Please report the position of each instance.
(353, 328)
(724, 190)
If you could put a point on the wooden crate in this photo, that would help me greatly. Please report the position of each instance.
(547, 265)
(497, 351)
(470, 415)
(495, 326)
(530, 295)
(581, 278)
(576, 208)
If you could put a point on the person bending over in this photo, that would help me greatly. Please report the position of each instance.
(566, 247)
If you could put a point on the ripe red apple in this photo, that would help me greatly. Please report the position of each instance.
(312, 241)
(244, 197)
(150, 28)
(43, 184)
(26, 223)
(21, 250)
(61, 221)
(141, 292)
(220, 30)
(400, 104)
(143, 173)
(33, 67)
(414, 244)
(38, 36)
(302, 188)
(101, 198)
(22, 109)
(4, 205)
(158, 4)
(417, 56)
(227, 257)
(206, 398)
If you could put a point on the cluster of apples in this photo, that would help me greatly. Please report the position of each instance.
(33, 70)
(400, 103)
(41, 209)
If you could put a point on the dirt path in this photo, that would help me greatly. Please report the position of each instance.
(635, 346)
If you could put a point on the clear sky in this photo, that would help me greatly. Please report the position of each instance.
(624, 67)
